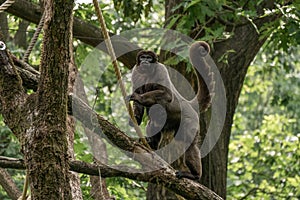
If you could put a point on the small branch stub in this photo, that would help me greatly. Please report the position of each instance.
(2, 46)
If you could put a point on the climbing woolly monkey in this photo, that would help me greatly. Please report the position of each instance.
(166, 108)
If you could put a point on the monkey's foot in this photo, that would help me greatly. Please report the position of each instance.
(183, 174)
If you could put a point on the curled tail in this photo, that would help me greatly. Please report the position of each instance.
(205, 76)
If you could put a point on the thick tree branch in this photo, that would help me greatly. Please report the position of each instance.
(28, 74)
(12, 94)
(100, 126)
(159, 171)
(85, 32)
(184, 187)
(8, 185)
(246, 43)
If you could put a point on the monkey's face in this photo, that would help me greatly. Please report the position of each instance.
(146, 57)
(146, 61)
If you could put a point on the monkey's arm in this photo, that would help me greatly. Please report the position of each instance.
(138, 111)
(150, 98)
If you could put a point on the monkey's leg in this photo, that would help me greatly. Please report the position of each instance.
(193, 160)
(138, 109)
(153, 140)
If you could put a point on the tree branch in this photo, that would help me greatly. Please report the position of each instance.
(8, 185)
(85, 32)
(12, 94)
(159, 170)
(184, 187)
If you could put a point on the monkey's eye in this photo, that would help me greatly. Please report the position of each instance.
(146, 58)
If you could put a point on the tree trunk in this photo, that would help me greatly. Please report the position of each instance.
(4, 26)
(45, 144)
(71, 124)
(246, 44)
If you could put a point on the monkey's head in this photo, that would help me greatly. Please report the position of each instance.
(146, 57)
(144, 61)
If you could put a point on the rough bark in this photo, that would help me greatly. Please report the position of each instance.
(39, 120)
(45, 146)
(8, 185)
(158, 191)
(99, 189)
(71, 123)
(4, 26)
(161, 173)
(186, 188)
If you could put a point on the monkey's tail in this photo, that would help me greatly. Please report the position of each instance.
(206, 83)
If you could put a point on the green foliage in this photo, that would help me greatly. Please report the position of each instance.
(9, 146)
(13, 23)
(264, 158)
(86, 12)
(134, 9)
(126, 189)
(214, 21)
(81, 147)
(203, 18)
(124, 15)
(287, 33)
(120, 188)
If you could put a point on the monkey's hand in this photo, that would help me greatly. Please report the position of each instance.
(127, 99)
(133, 97)
(138, 109)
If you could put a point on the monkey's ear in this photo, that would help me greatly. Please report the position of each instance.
(138, 55)
(155, 56)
